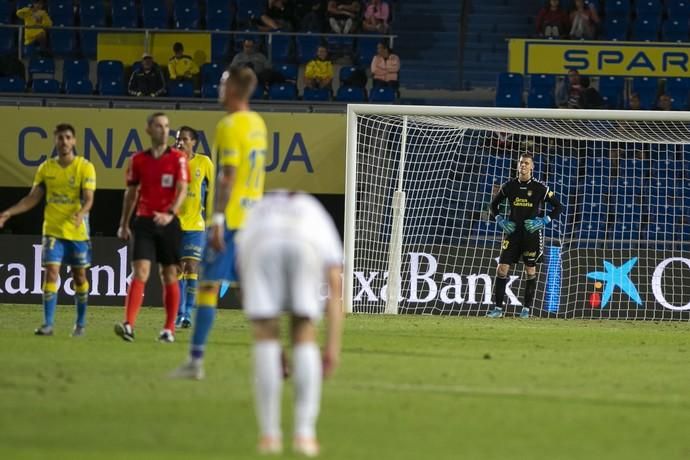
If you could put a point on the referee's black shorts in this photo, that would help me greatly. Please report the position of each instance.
(155, 243)
(524, 245)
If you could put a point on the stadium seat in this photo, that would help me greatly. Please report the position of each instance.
(366, 50)
(41, 65)
(616, 29)
(651, 9)
(382, 94)
(282, 92)
(316, 94)
(6, 12)
(111, 88)
(91, 13)
(12, 85)
(259, 93)
(541, 100)
(186, 15)
(61, 13)
(307, 46)
(288, 72)
(45, 85)
(678, 89)
(88, 41)
(617, 8)
(611, 91)
(667, 168)
(340, 46)
(542, 83)
(674, 30)
(8, 41)
(645, 30)
(181, 88)
(280, 48)
(345, 73)
(247, 12)
(125, 16)
(79, 87)
(647, 88)
(221, 47)
(210, 73)
(218, 16)
(626, 231)
(351, 94)
(75, 69)
(209, 90)
(110, 69)
(678, 9)
(155, 14)
(62, 42)
(509, 88)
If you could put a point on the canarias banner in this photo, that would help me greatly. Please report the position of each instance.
(628, 59)
(306, 151)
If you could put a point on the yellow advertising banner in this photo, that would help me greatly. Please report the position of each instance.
(306, 151)
(628, 59)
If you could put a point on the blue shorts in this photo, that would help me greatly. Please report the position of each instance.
(219, 266)
(193, 245)
(73, 253)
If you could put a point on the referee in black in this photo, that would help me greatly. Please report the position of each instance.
(524, 235)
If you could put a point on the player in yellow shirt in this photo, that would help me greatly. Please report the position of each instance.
(68, 183)
(240, 149)
(35, 19)
(193, 222)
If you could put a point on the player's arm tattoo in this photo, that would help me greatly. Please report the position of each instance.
(224, 184)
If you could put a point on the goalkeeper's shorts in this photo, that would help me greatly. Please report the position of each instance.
(522, 245)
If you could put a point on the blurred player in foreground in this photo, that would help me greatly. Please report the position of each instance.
(68, 182)
(192, 220)
(240, 147)
(157, 185)
(287, 250)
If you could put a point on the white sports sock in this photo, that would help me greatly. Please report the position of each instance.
(307, 374)
(268, 383)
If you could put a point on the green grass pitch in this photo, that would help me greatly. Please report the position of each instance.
(409, 388)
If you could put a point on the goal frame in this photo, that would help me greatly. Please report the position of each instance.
(355, 110)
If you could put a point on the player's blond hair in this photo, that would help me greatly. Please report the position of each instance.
(244, 80)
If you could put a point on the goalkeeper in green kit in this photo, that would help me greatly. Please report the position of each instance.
(523, 231)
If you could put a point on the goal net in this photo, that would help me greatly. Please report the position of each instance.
(419, 237)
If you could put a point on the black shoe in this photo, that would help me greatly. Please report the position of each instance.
(125, 331)
(186, 323)
(44, 330)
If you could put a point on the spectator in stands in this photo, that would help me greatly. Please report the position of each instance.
(569, 93)
(583, 21)
(181, 66)
(278, 15)
(552, 21)
(319, 71)
(664, 103)
(36, 20)
(591, 99)
(342, 15)
(385, 67)
(148, 80)
(376, 17)
(255, 60)
(309, 13)
(634, 102)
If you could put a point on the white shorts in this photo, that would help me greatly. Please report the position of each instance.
(281, 276)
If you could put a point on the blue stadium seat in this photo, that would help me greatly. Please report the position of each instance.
(509, 88)
(248, 11)
(667, 168)
(678, 9)
(79, 87)
(186, 15)
(597, 168)
(218, 16)
(674, 30)
(111, 88)
(280, 48)
(75, 69)
(6, 12)
(45, 85)
(12, 85)
(542, 83)
(61, 12)
(645, 30)
(632, 169)
(626, 231)
(678, 89)
(282, 92)
(647, 88)
(259, 93)
(125, 16)
(211, 73)
(485, 228)
(351, 94)
(316, 94)
(91, 13)
(341, 46)
(288, 71)
(155, 14)
(62, 42)
(611, 91)
(307, 46)
(616, 28)
(366, 50)
(41, 65)
(539, 100)
(8, 41)
(110, 70)
(88, 41)
(510, 80)
(209, 90)
(651, 9)
(181, 88)
(221, 46)
(617, 8)
(382, 94)
(346, 72)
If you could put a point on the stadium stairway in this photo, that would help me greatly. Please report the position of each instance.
(428, 43)
(489, 24)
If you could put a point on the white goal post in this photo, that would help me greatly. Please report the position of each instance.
(418, 234)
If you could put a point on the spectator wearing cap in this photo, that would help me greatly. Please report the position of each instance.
(147, 80)
(552, 21)
(181, 66)
(385, 67)
(319, 71)
(376, 16)
(36, 20)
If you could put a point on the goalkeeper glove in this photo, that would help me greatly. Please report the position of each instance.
(536, 224)
(505, 224)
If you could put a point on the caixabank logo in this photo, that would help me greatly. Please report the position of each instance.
(661, 282)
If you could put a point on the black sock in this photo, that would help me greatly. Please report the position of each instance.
(499, 291)
(530, 289)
